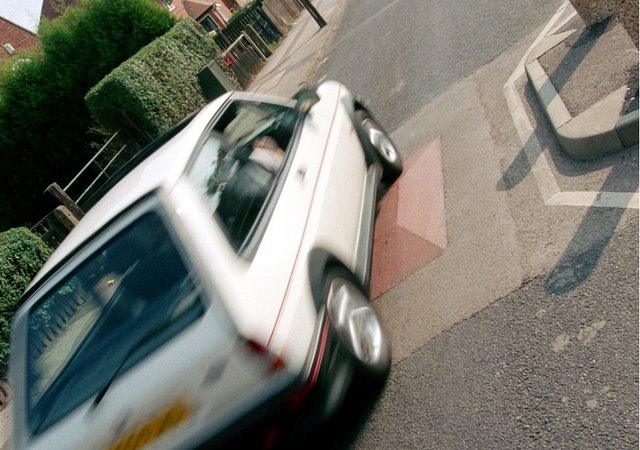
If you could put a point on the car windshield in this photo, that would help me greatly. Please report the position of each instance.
(85, 328)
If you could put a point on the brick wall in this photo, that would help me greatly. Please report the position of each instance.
(594, 11)
(18, 37)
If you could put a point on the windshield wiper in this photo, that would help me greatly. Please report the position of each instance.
(186, 317)
(123, 361)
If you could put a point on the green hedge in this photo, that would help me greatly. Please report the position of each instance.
(22, 253)
(158, 86)
(45, 127)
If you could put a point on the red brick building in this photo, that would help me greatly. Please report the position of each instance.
(212, 14)
(15, 37)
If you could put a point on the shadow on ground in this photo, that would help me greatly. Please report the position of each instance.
(345, 428)
(580, 48)
(596, 228)
(598, 224)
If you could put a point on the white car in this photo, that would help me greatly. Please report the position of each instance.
(218, 290)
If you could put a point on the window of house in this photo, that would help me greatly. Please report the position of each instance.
(240, 162)
(169, 4)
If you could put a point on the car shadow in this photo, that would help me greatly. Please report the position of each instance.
(344, 429)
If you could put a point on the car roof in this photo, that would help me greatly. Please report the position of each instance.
(162, 168)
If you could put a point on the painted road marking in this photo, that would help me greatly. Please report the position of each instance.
(600, 199)
(563, 22)
(542, 173)
(410, 229)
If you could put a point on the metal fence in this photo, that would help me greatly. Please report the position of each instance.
(249, 38)
(50, 230)
(254, 23)
(115, 152)
(282, 13)
(244, 58)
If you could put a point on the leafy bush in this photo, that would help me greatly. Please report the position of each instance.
(158, 86)
(22, 253)
(45, 127)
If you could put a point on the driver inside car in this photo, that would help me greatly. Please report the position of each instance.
(267, 153)
(247, 180)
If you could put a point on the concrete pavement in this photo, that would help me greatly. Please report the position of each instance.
(293, 63)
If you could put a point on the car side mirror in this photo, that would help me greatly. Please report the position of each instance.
(305, 99)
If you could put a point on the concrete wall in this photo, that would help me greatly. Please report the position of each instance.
(594, 11)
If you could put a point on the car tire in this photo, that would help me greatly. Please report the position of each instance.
(357, 326)
(384, 147)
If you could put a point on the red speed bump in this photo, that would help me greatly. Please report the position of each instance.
(410, 229)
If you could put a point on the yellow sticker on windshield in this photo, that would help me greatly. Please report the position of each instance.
(160, 423)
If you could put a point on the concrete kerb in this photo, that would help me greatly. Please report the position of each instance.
(627, 128)
(597, 131)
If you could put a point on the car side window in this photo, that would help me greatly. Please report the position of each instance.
(239, 162)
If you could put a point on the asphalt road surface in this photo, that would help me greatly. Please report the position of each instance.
(532, 370)
(401, 54)
(541, 350)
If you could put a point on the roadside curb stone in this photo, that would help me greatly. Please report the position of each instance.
(597, 131)
(627, 128)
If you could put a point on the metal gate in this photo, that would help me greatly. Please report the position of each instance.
(244, 58)
(255, 24)
(251, 35)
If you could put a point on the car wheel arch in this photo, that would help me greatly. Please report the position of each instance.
(321, 262)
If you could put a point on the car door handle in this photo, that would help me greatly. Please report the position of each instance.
(301, 173)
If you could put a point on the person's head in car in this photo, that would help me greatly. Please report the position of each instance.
(266, 152)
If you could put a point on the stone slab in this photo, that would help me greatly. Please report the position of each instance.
(554, 106)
